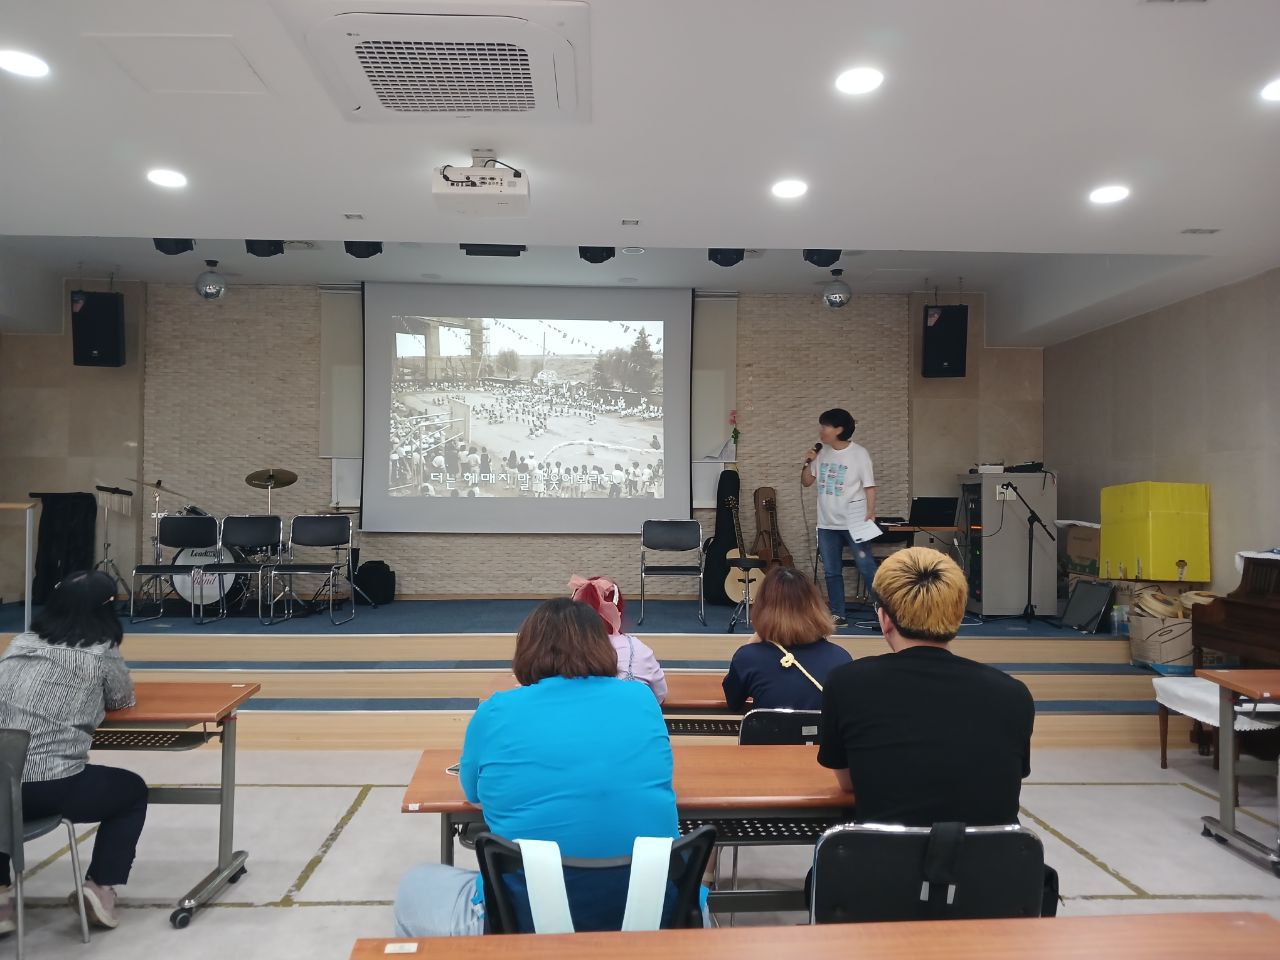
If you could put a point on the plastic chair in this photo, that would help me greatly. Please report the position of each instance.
(672, 536)
(318, 530)
(774, 726)
(254, 534)
(177, 533)
(15, 832)
(873, 872)
(502, 864)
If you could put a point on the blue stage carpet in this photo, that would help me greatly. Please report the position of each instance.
(505, 616)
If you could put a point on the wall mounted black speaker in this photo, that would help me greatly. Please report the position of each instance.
(946, 334)
(97, 329)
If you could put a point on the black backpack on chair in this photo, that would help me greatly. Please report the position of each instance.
(377, 580)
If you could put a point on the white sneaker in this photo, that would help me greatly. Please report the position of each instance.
(99, 904)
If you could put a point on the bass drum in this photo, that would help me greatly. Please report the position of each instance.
(231, 586)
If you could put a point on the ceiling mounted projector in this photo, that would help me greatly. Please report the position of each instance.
(487, 188)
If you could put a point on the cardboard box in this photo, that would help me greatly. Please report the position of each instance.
(1157, 531)
(1160, 640)
(1078, 550)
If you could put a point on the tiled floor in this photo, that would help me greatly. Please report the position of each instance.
(327, 845)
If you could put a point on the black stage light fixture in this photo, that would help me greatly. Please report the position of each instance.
(172, 246)
(362, 249)
(821, 258)
(264, 248)
(492, 249)
(596, 254)
(726, 256)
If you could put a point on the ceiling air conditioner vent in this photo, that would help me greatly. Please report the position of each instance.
(427, 77)
(526, 62)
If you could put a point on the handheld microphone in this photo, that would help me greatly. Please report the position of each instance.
(817, 448)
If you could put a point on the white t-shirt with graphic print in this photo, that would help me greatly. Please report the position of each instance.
(842, 478)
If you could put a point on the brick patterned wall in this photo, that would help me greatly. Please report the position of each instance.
(232, 386)
(797, 358)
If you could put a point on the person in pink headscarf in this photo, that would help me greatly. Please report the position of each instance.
(635, 660)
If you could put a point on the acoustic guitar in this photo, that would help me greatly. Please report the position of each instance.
(736, 582)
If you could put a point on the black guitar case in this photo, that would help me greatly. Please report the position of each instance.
(717, 547)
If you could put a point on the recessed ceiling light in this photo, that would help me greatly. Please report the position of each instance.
(166, 178)
(790, 189)
(631, 223)
(1272, 90)
(353, 216)
(633, 250)
(23, 64)
(1112, 193)
(859, 80)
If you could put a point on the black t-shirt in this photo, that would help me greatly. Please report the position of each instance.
(928, 737)
(756, 671)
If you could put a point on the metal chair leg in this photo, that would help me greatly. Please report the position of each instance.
(640, 620)
(79, 878)
(19, 913)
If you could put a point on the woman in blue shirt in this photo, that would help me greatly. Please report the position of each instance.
(787, 663)
(573, 755)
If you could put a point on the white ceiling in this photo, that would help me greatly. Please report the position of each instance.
(995, 120)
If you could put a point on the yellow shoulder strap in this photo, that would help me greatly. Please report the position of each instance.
(789, 660)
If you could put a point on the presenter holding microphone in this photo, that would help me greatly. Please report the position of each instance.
(846, 498)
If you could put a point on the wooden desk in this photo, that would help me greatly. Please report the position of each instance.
(1176, 936)
(695, 693)
(162, 719)
(713, 782)
(1257, 685)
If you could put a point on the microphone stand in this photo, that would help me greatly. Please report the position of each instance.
(1033, 518)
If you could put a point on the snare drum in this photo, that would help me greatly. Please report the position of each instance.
(230, 586)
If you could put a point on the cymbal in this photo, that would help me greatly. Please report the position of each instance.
(273, 478)
(157, 486)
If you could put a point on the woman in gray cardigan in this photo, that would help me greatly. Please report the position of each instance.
(57, 682)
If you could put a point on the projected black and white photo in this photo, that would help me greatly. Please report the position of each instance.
(512, 408)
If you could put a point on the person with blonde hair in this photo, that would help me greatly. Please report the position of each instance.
(789, 659)
(919, 734)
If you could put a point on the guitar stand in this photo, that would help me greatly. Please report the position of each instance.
(742, 612)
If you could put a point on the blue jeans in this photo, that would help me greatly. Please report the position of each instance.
(831, 544)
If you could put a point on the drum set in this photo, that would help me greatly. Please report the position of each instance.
(202, 589)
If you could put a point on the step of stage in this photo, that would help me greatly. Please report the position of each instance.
(465, 688)
(484, 649)
(419, 729)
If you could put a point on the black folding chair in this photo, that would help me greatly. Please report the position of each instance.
(177, 533)
(780, 726)
(671, 536)
(774, 726)
(506, 911)
(256, 535)
(16, 831)
(872, 872)
(332, 531)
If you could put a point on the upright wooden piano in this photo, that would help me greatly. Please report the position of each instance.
(1246, 622)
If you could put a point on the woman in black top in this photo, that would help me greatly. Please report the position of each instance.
(788, 662)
